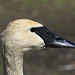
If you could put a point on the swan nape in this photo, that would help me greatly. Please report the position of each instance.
(22, 35)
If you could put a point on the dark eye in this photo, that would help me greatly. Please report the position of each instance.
(32, 29)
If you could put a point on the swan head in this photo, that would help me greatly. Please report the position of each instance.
(26, 34)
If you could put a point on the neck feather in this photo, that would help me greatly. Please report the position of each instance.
(13, 63)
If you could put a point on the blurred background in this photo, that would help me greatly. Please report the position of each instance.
(59, 17)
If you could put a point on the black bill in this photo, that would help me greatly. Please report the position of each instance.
(51, 39)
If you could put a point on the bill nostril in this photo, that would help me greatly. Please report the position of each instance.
(59, 39)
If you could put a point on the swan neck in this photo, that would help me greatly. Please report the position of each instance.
(13, 63)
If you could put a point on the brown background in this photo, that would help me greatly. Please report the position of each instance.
(59, 17)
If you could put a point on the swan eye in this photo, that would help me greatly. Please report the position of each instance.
(32, 29)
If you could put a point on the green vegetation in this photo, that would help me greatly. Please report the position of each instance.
(1, 65)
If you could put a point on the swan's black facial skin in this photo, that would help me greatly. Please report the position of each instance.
(51, 39)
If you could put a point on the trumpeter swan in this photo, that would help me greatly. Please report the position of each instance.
(22, 35)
